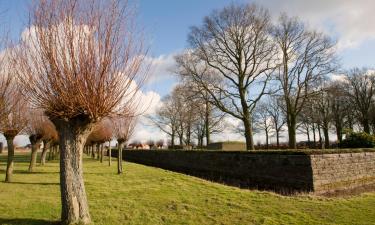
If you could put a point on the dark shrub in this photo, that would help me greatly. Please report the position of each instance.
(358, 140)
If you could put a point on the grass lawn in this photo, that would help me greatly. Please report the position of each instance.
(146, 195)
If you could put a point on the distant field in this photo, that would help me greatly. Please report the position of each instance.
(146, 195)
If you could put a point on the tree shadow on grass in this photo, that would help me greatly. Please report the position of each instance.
(26, 221)
(45, 184)
(27, 172)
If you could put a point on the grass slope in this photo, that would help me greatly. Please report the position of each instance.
(146, 195)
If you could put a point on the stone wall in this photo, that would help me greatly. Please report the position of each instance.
(227, 146)
(342, 171)
(282, 172)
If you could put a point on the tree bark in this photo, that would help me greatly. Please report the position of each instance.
(34, 154)
(320, 137)
(44, 153)
(92, 152)
(248, 134)
(366, 126)
(326, 137)
(109, 153)
(97, 151)
(101, 153)
(119, 157)
(278, 138)
(207, 123)
(1, 147)
(172, 138)
(73, 135)
(292, 131)
(10, 162)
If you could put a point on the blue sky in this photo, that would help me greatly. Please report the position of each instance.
(167, 23)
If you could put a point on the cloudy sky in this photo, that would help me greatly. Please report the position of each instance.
(167, 23)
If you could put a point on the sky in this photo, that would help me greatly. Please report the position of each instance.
(166, 24)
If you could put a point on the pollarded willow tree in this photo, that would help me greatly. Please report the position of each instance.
(12, 108)
(232, 58)
(123, 129)
(35, 128)
(77, 61)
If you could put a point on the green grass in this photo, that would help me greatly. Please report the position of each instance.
(146, 195)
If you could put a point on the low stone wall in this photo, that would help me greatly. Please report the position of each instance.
(333, 172)
(285, 172)
(227, 146)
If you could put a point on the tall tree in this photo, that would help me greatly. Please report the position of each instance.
(166, 118)
(360, 88)
(277, 116)
(306, 57)
(78, 62)
(263, 120)
(232, 59)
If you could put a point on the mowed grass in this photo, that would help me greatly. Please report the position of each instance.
(146, 195)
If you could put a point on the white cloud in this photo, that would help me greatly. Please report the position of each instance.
(161, 68)
(350, 20)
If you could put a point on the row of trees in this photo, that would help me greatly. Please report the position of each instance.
(339, 106)
(274, 77)
(238, 55)
(187, 114)
(75, 66)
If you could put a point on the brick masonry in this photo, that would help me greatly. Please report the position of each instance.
(286, 173)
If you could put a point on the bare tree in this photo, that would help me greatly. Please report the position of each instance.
(263, 120)
(323, 105)
(232, 59)
(277, 117)
(123, 129)
(306, 57)
(360, 88)
(166, 118)
(78, 62)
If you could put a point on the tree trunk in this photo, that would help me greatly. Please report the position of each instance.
(101, 153)
(119, 157)
(320, 137)
(44, 153)
(338, 132)
(34, 154)
(248, 134)
(278, 139)
(292, 131)
(97, 151)
(109, 153)
(314, 136)
(267, 144)
(92, 152)
(73, 135)
(366, 126)
(10, 162)
(308, 134)
(172, 138)
(1, 147)
(207, 123)
(326, 137)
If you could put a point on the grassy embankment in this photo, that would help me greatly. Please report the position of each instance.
(146, 195)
